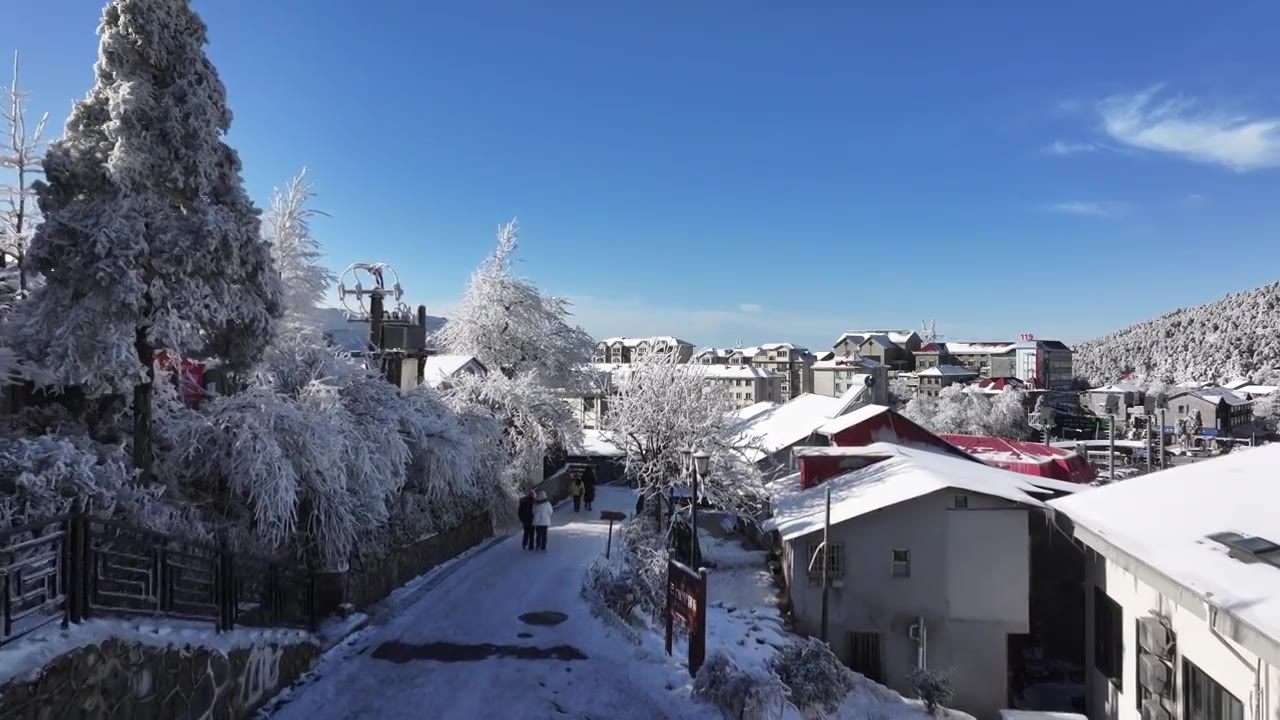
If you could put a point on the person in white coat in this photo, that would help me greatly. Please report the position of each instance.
(541, 520)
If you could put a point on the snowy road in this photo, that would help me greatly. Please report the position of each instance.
(458, 648)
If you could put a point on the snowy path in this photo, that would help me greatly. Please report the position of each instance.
(459, 649)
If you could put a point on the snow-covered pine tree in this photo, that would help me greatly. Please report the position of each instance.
(298, 255)
(149, 241)
(512, 326)
(20, 155)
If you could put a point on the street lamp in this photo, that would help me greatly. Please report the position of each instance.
(701, 463)
(686, 468)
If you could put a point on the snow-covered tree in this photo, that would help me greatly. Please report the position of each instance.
(20, 154)
(149, 241)
(962, 410)
(512, 326)
(1266, 411)
(663, 406)
(298, 255)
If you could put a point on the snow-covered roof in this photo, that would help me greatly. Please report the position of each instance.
(939, 370)
(851, 418)
(635, 342)
(847, 363)
(1256, 389)
(1164, 520)
(784, 425)
(906, 474)
(1213, 394)
(858, 394)
(747, 413)
(783, 346)
(1194, 384)
(1237, 384)
(979, 348)
(733, 371)
(897, 337)
(439, 368)
(595, 444)
(713, 352)
(1117, 388)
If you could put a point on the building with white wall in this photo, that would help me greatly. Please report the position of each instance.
(929, 556)
(1183, 609)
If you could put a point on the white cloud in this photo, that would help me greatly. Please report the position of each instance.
(1086, 208)
(1059, 147)
(751, 308)
(1184, 127)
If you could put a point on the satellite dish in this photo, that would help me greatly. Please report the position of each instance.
(870, 381)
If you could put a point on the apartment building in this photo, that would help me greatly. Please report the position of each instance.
(892, 348)
(745, 384)
(622, 350)
(1041, 364)
(933, 380)
(792, 363)
(1222, 412)
(835, 376)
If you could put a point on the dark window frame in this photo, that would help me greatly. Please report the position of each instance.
(1203, 698)
(1108, 637)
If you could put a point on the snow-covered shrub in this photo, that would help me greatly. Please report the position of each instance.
(816, 678)
(933, 687)
(737, 693)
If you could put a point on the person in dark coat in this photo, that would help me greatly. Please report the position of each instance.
(525, 512)
(588, 486)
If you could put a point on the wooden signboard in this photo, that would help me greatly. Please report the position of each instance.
(687, 600)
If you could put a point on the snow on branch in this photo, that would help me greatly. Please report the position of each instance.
(512, 326)
(663, 406)
(298, 255)
(963, 411)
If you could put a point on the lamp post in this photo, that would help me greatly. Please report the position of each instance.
(701, 466)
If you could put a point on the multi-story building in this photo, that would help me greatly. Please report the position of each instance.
(1182, 588)
(1041, 364)
(835, 376)
(933, 380)
(793, 364)
(1222, 412)
(746, 385)
(622, 350)
(893, 348)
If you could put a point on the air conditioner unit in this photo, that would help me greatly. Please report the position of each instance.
(1153, 710)
(1154, 674)
(1154, 636)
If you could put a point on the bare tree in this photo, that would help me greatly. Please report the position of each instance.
(20, 154)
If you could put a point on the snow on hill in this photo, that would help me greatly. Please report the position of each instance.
(1235, 337)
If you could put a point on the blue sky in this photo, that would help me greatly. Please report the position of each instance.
(743, 170)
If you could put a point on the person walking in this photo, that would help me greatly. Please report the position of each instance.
(588, 487)
(576, 489)
(541, 520)
(524, 511)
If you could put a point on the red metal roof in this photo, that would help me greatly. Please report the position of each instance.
(931, 347)
(1027, 458)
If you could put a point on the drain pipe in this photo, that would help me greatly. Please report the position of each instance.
(1257, 701)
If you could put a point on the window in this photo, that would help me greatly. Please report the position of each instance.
(1204, 699)
(962, 502)
(901, 565)
(1108, 645)
(834, 559)
(864, 655)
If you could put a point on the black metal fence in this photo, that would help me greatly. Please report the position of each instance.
(73, 566)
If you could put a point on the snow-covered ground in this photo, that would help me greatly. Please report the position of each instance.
(457, 647)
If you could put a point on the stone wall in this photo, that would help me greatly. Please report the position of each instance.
(378, 577)
(118, 678)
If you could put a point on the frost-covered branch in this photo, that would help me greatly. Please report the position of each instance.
(20, 155)
(963, 410)
(298, 255)
(512, 326)
(663, 406)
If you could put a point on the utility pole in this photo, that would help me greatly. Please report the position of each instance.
(1149, 448)
(826, 550)
(1162, 454)
(1111, 452)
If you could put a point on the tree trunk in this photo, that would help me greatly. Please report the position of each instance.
(142, 406)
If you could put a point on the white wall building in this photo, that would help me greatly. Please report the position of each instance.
(1183, 608)
(931, 555)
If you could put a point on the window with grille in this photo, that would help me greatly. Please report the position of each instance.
(901, 563)
(1108, 643)
(834, 559)
(865, 656)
